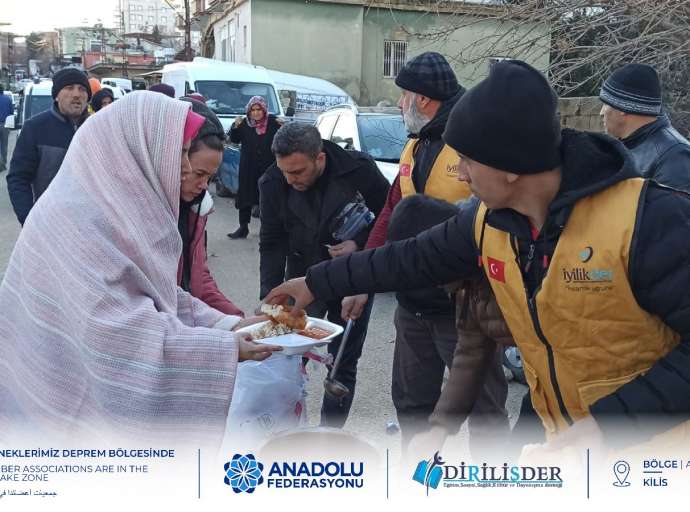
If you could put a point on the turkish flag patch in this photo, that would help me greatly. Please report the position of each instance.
(405, 170)
(497, 269)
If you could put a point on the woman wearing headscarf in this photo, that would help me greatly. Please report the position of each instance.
(96, 336)
(255, 132)
(205, 157)
(102, 99)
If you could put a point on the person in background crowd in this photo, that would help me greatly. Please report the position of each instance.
(196, 204)
(197, 96)
(102, 99)
(44, 139)
(588, 263)
(6, 109)
(307, 197)
(632, 112)
(99, 338)
(255, 132)
(166, 89)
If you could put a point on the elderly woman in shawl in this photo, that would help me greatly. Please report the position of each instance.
(255, 133)
(95, 335)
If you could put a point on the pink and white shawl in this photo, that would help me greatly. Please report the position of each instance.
(262, 125)
(95, 335)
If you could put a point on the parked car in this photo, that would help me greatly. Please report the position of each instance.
(37, 98)
(380, 132)
(124, 83)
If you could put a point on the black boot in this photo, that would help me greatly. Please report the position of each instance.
(241, 232)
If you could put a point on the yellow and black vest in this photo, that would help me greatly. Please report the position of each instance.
(443, 178)
(582, 335)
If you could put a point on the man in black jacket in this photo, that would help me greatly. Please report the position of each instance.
(43, 142)
(302, 197)
(632, 112)
(588, 263)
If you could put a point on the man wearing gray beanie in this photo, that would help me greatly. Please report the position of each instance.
(588, 262)
(632, 112)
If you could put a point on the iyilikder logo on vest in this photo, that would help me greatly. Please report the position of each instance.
(584, 275)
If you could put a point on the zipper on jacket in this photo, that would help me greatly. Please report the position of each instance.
(530, 256)
(532, 306)
(549, 354)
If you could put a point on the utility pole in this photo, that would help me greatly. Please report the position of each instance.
(187, 21)
(187, 32)
(124, 42)
(103, 50)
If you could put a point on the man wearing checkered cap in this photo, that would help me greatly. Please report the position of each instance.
(426, 335)
(632, 112)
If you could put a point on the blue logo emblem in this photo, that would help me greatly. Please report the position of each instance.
(429, 472)
(586, 254)
(621, 470)
(243, 473)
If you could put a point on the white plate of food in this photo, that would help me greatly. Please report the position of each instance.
(296, 335)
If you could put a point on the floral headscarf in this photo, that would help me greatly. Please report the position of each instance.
(262, 125)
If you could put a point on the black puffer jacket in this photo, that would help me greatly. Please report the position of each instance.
(659, 271)
(661, 154)
(296, 225)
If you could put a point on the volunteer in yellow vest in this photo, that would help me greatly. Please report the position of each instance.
(425, 319)
(589, 262)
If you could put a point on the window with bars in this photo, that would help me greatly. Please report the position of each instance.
(394, 57)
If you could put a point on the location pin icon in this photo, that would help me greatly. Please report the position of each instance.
(621, 470)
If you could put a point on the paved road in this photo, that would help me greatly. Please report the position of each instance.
(235, 266)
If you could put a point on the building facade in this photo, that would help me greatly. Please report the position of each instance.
(358, 45)
(143, 15)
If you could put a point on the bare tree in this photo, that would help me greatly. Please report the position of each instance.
(585, 40)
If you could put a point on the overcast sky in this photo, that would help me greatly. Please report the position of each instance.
(39, 15)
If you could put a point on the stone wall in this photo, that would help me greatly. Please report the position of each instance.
(581, 113)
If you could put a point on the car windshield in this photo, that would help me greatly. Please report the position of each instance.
(382, 136)
(38, 104)
(231, 98)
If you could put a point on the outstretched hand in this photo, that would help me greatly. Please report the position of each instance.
(296, 289)
(252, 351)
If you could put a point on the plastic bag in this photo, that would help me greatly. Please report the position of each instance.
(269, 396)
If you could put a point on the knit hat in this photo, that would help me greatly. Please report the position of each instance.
(98, 97)
(166, 89)
(634, 89)
(69, 76)
(508, 121)
(212, 126)
(429, 74)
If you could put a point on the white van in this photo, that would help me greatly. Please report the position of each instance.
(227, 86)
(37, 98)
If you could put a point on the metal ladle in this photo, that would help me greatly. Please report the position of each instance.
(333, 387)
